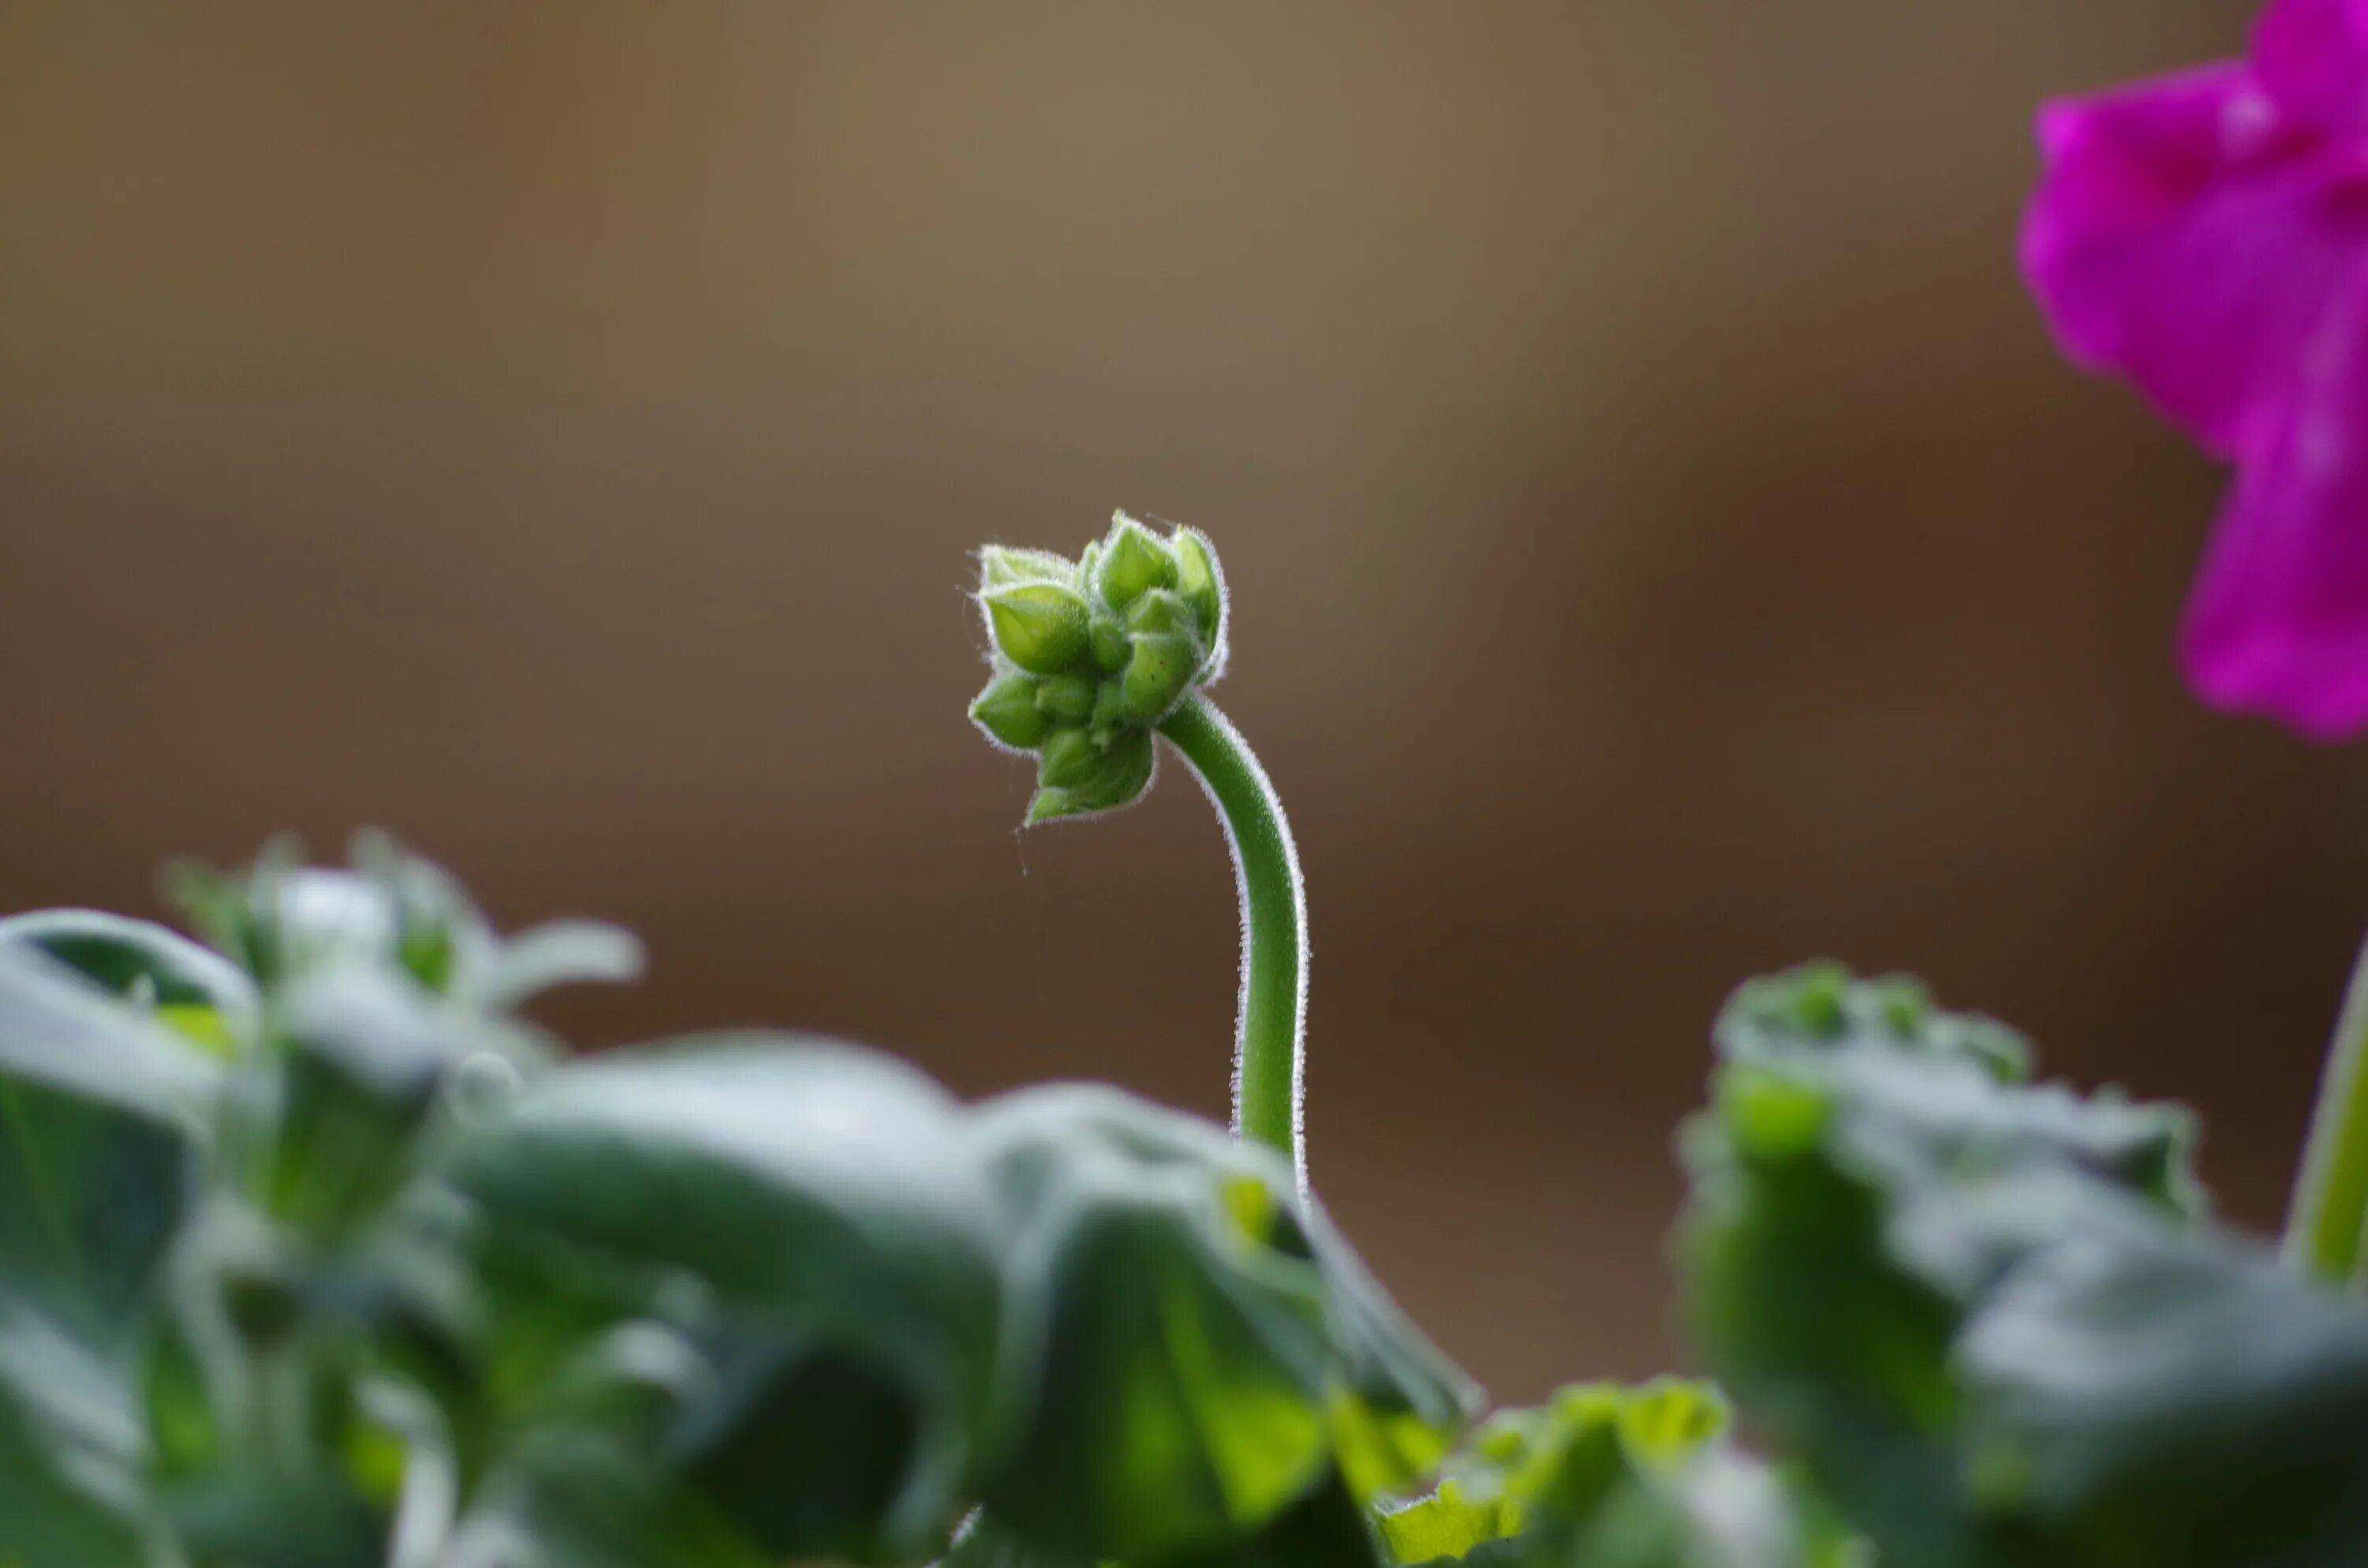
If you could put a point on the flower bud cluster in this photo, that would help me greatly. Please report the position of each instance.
(1090, 654)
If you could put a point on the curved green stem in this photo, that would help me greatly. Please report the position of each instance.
(1269, 1059)
(2325, 1232)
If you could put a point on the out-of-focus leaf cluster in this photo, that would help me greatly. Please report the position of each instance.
(314, 1254)
(1608, 1477)
(1987, 1316)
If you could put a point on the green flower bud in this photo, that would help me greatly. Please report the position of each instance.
(1133, 561)
(1008, 711)
(1162, 613)
(1197, 580)
(1037, 626)
(1081, 776)
(1001, 568)
(1066, 757)
(1156, 678)
(1047, 804)
(1092, 656)
(1067, 697)
(1125, 773)
(1109, 706)
(1108, 638)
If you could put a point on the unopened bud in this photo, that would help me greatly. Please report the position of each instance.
(1133, 561)
(1006, 711)
(999, 567)
(1069, 698)
(1100, 780)
(1109, 705)
(1163, 613)
(1162, 667)
(1201, 584)
(1092, 656)
(1066, 757)
(1037, 626)
(1109, 646)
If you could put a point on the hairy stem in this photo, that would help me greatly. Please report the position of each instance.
(2331, 1204)
(1270, 1057)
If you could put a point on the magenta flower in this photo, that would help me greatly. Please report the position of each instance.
(2206, 236)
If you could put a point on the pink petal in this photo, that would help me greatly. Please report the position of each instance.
(2312, 56)
(2184, 236)
(2278, 623)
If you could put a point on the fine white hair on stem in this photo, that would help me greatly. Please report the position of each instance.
(1290, 851)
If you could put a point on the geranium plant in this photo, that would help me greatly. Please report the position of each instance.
(316, 1254)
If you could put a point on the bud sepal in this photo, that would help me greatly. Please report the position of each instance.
(1040, 627)
(1008, 712)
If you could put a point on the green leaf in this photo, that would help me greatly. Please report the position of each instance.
(556, 953)
(803, 1450)
(280, 919)
(552, 1332)
(1823, 1007)
(59, 1031)
(194, 992)
(183, 1425)
(1985, 1317)
(439, 935)
(1669, 1420)
(365, 1057)
(1192, 1352)
(98, 1109)
(394, 911)
(1451, 1524)
(1605, 1477)
(984, 1542)
(825, 1197)
(263, 1519)
(1326, 1528)
(2173, 1398)
(576, 1499)
(70, 1456)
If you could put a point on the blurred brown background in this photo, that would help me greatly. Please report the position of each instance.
(1665, 545)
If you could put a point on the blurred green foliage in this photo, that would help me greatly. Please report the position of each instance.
(1988, 1316)
(316, 1254)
